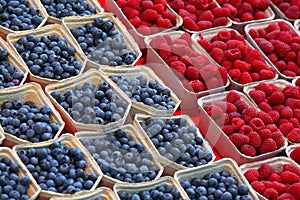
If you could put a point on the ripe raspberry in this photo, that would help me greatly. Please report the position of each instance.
(177, 5)
(289, 73)
(286, 113)
(134, 4)
(202, 25)
(170, 15)
(248, 150)
(268, 184)
(248, 114)
(294, 190)
(190, 24)
(255, 139)
(265, 133)
(223, 74)
(228, 129)
(233, 54)
(265, 107)
(257, 95)
(295, 122)
(219, 44)
(240, 105)
(191, 73)
(252, 175)
(164, 23)
(275, 177)
(286, 196)
(265, 171)
(279, 187)
(220, 21)
(278, 138)
(268, 145)
(186, 37)
(281, 48)
(216, 112)
(265, 117)
(208, 71)
(295, 155)
(292, 103)
(217, 54)
(291, 168)
(220, 12)
(272, 127)
(270, 193)
(197, 86)
(292, 12)
(237, 123)
(258, 65)
(149, 15)
(212, 83)
(289, 177)
(265, 45)
(276, 98)
(206, 16)
(235, 74)
(258, 186)
(267, 74)
(159, 8)
(291, 92)
(266, 88)
(285, 128)
(239, 139)
(259, 15)
(224, 36)
(178, 66)
(245, 130)
(256, 124)
(294, 135)
(232, 97)
(241, 65)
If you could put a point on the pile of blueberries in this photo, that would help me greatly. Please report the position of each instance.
(65, 8)
(149, 93)
(12, 186)
(102, 43)
(48, 56)
(27, 122)
(17, 16)
(214, 186)
(177, 141)
(91, 104)
(58, 168)
(9, 76)
(122, 158)
(166, 192)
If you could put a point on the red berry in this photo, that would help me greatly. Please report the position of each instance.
(197, 86)
(239, 139)
(252, 175)
(257, 95)
(265, 171)
(258, 186)
(289, 177)
(268, 145)
(248, 150)
(255, 139)
(295, 155)
(294, 135)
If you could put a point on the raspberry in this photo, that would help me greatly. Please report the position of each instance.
(282, 121)
(159, 8)
(186, 60)
(256, 124)
(134, 4)
(202, 25)
(157, 41)
(286, 196)
(240, 105)
(221, 21)
(164, 23)
(136, 21)
(276, 98)
(237, 123)
(197, 86)
(295, 155)
(265, 171)
(281, 48)
(272, 127)
(223, 74)
(239, 139)
(285, 128)
(289, 177)
(258, 65)
(255, 139)
(270, 193)
(219, 44)
(235, 74)
(286, 113)
(265, 133)
(245, 129)
(217, 54)
(248, 114)
(241, 65)
(171, 59)
(289, 73)
(171, 16)
(230, 107)
(224, 36)
(130, 12)
(275, 177)
(292, 103)
(258, 187)
(265, 107)
(199, 61)
(248, 150)
(268, 184)
(206, 16)
(278, 138)
(292, 168)
(191, 73)
(268, 145)
(233, 54)
(257, 95)
(291, 92)
(294, 135)
(232, 97)
(186, 37)
(190, 24)
(265, 117)
(212, 83)
(280, 65)
(252, 175)
(208, 71)
(266, 74)
(205, 44)
(228, 129)
(294, 190)
(177, 5)
(259, 15)
(178, 66)
(216, 112)
(267, 89)
(292, 12)
(279, 187)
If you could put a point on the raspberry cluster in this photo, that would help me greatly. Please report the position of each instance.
(251, 131)
(243, 63)
(295, 155)
(198, 16)
(281, 183)
(282, 105)
(194, 69)
(246, 10)
(290, 8)
(149, 17)
(282, 46)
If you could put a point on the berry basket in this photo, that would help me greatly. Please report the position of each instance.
(47, 31)
(279, 13)
(215, 135)
(135, 136)
(297, 25)
(277, 164)
(138, 107)
(167, 75)
(102, 192)
(208, 35)
(98, 8)
(32, 4)
(76, 22)
(263, 25)
(136, 188)
(169, 165)
(225, 164)
(15, 60)
(112, 6)
(95, 77)
(69, 141)
(30, 92)
(34, 189)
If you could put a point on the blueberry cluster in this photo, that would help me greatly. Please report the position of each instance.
(176, 141)
(91, 104)
(102, 43)
(9, 76)
(48, 56)
(150, 93)
(57, 168)
(214, 186)
(65, 8)
(28, 122)
(12, 187)
(122, 158)
(165, 192)
(17, 16)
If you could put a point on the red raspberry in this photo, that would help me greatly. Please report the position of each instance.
(252, 55)
(282, 121)
(291, 168)
(286, 196)
(217, 54)
(252, 175)
(268, 145)
(220, 21)
(296, 113)
(246, 17)
(206, 16)
(266, 88)
(228, 129)
(149, 15)
(230, 107)
(265, 45)
(248, 114)
(258, 65)
(147, 5)
(134, 4)
(212, 83)
(237, 123)
(272, 127)
(289, 73)
(295, 155)
(223, 74)
(265, 171)
(239, 139)
(177, 5)
(233, 54)
(276, 98)
(278, 138)
(279, 187)
(216, 112)
(245, 78)
(292, 103)
(265, 133)
(219, 44)
(234, 115)
(235, 74)
(190, 24)
(266, 74)
(255, 139)
(291, 92)
(275, 177)
(208, 71)
(289, 177)
(157, 41)
(295, 122)
(281, 48)
(130, 12)
(270, 193)
(285, 128)
(294, 190)
(170, 15)
(164, 23)
(292, 12)
(259, 15)
(171, 59)
(240, 105)
(220, 12)
(190, 8)
(160, 9)
(144, 30)
(286, 113)
(257, 95)
(178, 66)
(232, 97)
(280, 65)
(264, 106)
(224, 36)
(241, 65)
(191, 73)
(202, 25)
(256, 124)
(294, 135)
(258, 186)
(275, 115)
(265, 117)
(197, 86)
(248, 150)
